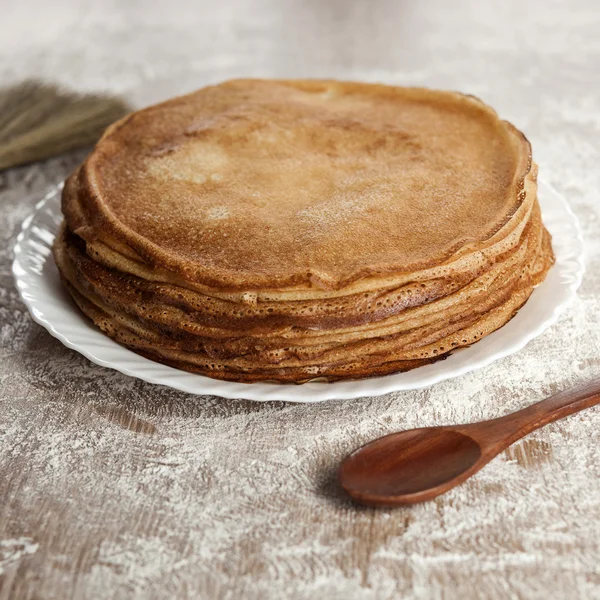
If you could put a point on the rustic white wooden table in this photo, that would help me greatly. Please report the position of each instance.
(113, 488)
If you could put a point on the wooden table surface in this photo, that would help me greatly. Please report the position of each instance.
(114, 488)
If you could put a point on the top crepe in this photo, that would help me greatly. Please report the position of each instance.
(262, 185)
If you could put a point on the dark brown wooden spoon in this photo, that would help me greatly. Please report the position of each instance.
(420, 464)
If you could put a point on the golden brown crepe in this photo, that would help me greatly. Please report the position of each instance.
(292, 230)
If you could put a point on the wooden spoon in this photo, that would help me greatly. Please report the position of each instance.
(420, 464)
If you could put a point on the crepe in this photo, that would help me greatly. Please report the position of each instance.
(293, 230)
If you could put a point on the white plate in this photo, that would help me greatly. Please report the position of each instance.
(40, 288)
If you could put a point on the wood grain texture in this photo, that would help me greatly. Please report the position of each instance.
(113, 488)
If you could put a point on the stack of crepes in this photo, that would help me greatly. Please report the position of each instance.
(301, 230)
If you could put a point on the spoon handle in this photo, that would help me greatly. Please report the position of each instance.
(506, 430)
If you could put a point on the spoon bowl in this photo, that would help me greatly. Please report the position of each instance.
(397, 467)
